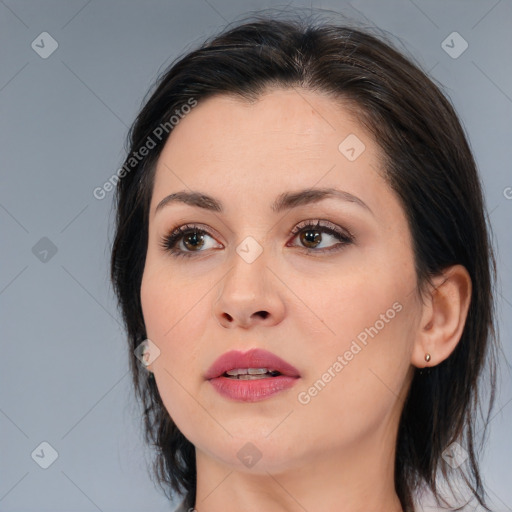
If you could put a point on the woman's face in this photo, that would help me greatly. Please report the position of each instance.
(340, 308)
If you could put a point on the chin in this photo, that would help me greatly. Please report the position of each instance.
(254, 454)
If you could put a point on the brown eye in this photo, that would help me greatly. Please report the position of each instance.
(311, 238)
(193, 241)
(187, 241)
(312, 235)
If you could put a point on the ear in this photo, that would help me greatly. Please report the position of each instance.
(443, 317)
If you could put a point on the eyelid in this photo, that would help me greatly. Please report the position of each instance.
(193, 226)
(324, 224)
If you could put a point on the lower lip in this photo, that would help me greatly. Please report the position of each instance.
(252, 390)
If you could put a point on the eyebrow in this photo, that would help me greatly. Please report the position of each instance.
(285, 201)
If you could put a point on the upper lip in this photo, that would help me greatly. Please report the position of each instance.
(254, 358)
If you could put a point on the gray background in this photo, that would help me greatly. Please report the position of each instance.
(63, 123)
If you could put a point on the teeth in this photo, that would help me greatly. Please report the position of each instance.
(250, 371)
(238, 371)
(257, 371)
(252, 377)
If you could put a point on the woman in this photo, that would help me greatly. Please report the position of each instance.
(304, 270)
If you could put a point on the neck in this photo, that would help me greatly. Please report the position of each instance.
(355, 479)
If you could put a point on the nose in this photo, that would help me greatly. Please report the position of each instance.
(250, 294)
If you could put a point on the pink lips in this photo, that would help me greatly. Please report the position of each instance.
(251, 390)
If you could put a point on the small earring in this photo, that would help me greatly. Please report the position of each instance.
(427, 357)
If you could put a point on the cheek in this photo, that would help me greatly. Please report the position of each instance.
(363, 298)
(174, 318)
(173, 310)
(371, 315)
(357, 380)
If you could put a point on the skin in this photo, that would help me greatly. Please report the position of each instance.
(335, 453)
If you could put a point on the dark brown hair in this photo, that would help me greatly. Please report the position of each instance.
(428, 163)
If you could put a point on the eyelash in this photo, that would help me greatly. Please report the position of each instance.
(168, 242)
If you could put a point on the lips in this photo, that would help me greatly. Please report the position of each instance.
(254, 358)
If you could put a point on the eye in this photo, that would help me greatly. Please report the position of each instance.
(310, 235)
(191, 240)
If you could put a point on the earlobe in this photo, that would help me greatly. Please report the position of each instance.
(443, 317)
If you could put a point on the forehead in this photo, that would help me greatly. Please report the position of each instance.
(281, 119)
(286, 139)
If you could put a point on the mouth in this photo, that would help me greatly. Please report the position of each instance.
(251, 365)
(251, 376)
